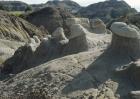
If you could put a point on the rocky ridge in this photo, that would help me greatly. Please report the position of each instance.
(107, 10)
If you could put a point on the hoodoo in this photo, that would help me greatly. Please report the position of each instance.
(126, 40)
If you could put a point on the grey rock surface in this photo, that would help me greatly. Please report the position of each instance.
(90, 74)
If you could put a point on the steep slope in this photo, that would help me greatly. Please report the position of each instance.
(15, 28)
(107, 10)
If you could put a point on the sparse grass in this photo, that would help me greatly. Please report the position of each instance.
(16, 13)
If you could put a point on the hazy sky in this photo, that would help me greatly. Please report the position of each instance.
(133, 3)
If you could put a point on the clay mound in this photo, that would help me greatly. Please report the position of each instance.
(14, 28)
(49, 17)
(87, 75)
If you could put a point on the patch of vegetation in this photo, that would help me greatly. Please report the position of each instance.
(29, 8)
(17, 13)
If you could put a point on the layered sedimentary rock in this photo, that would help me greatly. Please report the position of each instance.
(14, 28)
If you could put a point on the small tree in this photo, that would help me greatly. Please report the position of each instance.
(2, 7)
(29, 8)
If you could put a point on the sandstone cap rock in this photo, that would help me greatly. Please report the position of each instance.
(124, 30)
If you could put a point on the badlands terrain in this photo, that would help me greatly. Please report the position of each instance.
(60, 50)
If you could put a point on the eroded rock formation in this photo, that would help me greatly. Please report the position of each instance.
(57, 45)
(87, 74)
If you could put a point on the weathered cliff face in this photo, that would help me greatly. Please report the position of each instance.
(107, 10)
(14, 28)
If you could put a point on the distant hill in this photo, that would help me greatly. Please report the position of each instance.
(107, 10)
(38, 6)
(14, 5)
(66, 4)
